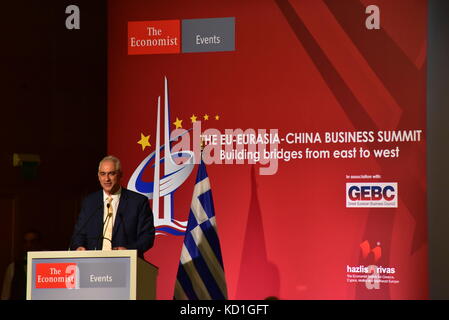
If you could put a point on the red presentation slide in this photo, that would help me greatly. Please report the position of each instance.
(310, 116)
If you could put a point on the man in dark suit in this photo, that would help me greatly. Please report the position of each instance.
(114, 217)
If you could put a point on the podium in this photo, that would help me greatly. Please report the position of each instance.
(90, 275)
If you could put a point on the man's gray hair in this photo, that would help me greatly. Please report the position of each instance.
(118, 165)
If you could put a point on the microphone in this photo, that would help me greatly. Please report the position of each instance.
(84, 225)
(109, 215)
(106, 220)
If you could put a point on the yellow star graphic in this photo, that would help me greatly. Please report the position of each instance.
(193, 118)
(217, 117)
(178, 123)
(144, 141)
(206, 117)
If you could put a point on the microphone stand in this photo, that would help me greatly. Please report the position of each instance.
(105, 224)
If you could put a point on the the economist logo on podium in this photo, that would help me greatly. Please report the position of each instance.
(57, 276)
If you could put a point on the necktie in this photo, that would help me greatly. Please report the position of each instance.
(107, 232)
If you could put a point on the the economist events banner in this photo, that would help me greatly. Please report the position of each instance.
(312, 114)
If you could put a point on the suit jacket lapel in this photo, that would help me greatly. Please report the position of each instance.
(100, 204)
(120, 211)
(99, 219)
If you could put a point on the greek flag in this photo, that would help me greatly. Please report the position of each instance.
(200, 272)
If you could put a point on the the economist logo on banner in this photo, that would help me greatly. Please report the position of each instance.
(56, 276)
(154, 37)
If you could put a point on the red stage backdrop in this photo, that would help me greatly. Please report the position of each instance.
(313, 113)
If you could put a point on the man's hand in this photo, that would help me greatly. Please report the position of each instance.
(119, 248)
(80, 249)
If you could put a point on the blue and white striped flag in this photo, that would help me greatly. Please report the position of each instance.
(200, 273)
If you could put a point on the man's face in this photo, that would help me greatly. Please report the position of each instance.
(109, 178)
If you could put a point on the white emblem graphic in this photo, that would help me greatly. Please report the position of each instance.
(173, 177)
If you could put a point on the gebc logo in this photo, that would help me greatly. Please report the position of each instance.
(372, 195)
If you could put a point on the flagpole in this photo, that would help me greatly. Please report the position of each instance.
(202, 146)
